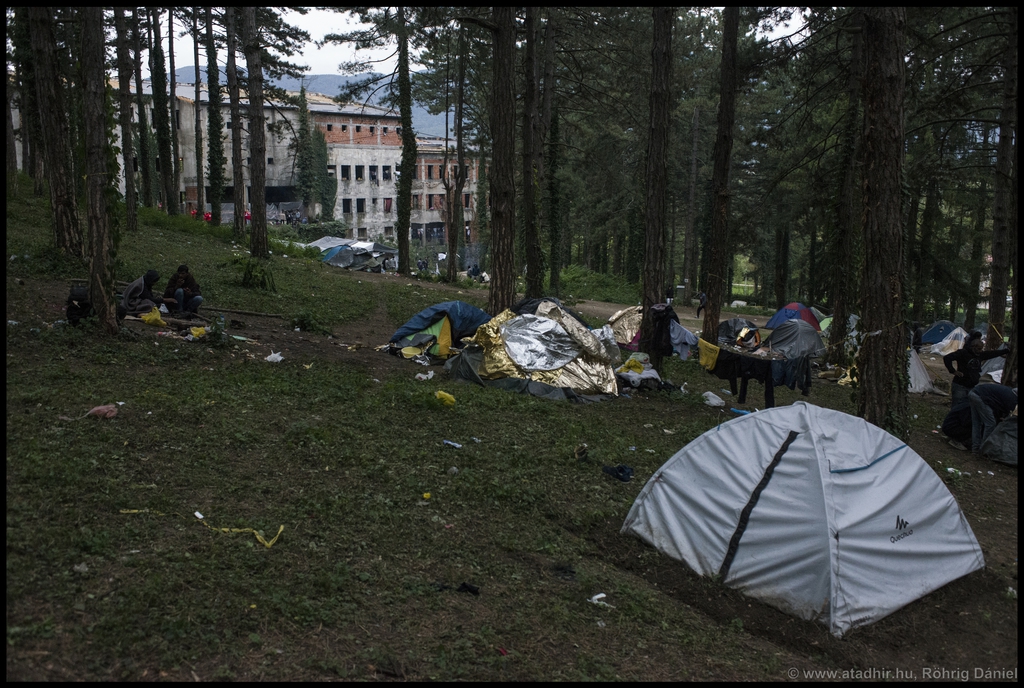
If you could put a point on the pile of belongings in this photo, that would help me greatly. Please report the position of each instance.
(625, 325)
(354, 255)
(543, 351)
(435, 333)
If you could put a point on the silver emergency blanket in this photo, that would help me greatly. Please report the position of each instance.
(538, 343)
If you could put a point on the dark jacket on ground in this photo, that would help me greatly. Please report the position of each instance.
(138, 297)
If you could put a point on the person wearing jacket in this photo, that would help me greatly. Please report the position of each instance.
(968, 366)
(183, 290)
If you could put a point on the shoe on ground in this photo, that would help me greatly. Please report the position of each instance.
(957, 445)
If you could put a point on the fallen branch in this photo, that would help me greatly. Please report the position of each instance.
(214, 309)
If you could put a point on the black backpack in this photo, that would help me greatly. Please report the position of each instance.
(79, 305)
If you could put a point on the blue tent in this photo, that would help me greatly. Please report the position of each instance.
(791, 311)
(464, 320)
(937, 332)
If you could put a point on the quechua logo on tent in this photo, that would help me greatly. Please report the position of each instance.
(901, 526)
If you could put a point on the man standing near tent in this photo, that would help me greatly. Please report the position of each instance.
(989, 405)
(703, 298)
(968, 365)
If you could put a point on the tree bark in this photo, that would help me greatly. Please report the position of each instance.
(238, 179)
(408, 164)
(531, 117)
(175, 153)
(718, 266)
(657, 182)
(502, 178)
(259, 247)
(161, 118)
(145, 153)
(882, 359)
(554, 207)
(124, 77)
(690, 248)
(102, 243)
(200, 181)
(215, 125)
(67, 233)
(1004, 193)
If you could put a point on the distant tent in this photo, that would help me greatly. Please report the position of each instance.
(810, 510)
(937, 332)
(819, 314)
(791, 311)
(436, 329)
(954, 341)
(920, 381)
(795, 338)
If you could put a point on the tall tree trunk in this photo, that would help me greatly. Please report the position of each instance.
(161, 119)
(102, 239)
(200, 182)
(657, 182)
(719, 260)
(531, 117)
(554, 203)
(12, 147)
(215, 124)
(145, 154)
(67, 233)
(882, 359)
(175, 154)
(257, 134)
(124, 77)
(456, 222)
(238, 180)
(408, 164)
(690, 248)
(925, 271)
(1004, 192)
(848, 213)
(502, 179)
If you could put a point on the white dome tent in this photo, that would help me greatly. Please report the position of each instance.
(810, 510)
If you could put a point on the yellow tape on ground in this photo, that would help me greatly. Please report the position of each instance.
(262, 540)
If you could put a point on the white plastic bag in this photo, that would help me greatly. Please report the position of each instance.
(712, 399)
(277, 358)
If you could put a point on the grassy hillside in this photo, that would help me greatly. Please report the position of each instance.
(111, 575)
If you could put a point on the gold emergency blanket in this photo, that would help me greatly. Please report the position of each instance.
(626, 323)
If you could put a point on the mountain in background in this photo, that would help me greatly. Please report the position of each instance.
(329, 85)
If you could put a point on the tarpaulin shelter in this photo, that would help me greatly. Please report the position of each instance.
(954, 341)
(435, 329)
(791, 311)
(729, 330)
(810, 510)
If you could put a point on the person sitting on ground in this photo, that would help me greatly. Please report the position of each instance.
(968, 366)
(138, 297)
(182, 291)
(989, 405)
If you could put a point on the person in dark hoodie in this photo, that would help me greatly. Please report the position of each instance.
(138, 298)
(183, 292)
(968, 366)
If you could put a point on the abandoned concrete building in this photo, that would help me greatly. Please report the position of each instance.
(364, 149)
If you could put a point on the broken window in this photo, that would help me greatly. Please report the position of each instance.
(386, 173)
(373, 174)
(359, 173)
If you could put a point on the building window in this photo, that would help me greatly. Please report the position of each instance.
(359, 128)
(386, 173)
(373, 174)
(371, 129)
(398, 130)
(359, 173)
(346, 206)
(465, 201)
(345, 169)
(430, 171)
(330, 127)
(360, 205)
(415, 202)
(332, 170)
(270, 161)
(344, 127)
(177, 119)
(384, 130)
(362, 232)
(389, 231)
(430, 201)
(373, 201)
(387, 205)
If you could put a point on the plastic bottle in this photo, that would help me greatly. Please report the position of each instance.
(220, 322)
